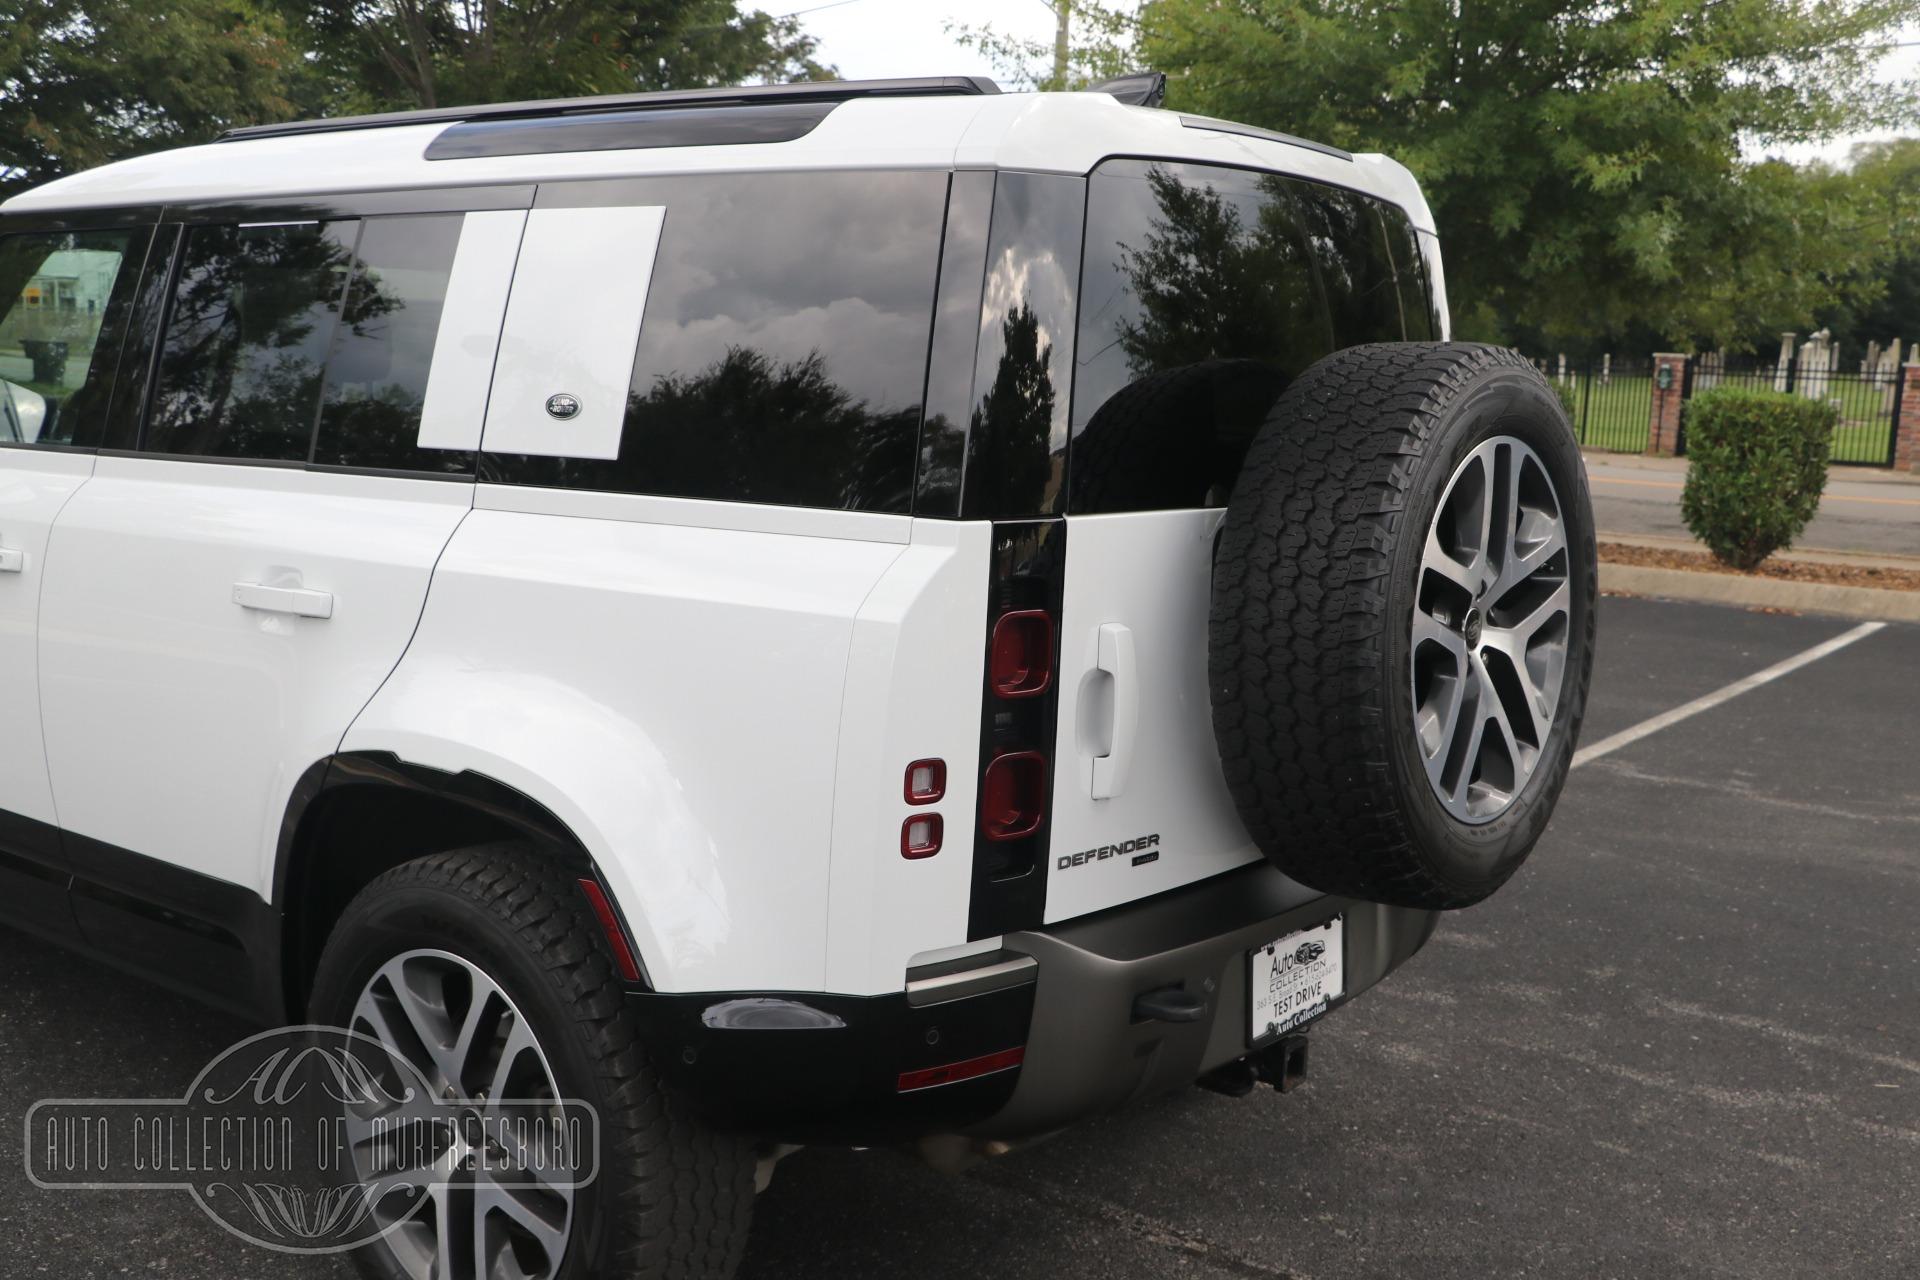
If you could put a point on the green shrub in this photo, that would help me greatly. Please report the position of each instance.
(1565, 391)
(1757, 464)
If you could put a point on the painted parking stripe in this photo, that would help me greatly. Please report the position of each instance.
(1627, 737)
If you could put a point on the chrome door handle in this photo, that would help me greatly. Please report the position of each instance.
(12, 560)
(295, 600)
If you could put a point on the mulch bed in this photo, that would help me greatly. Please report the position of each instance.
(1839, 575)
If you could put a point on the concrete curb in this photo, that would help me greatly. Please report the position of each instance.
(1769, 593)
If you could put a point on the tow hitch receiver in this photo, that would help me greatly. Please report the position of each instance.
(1282, 1064)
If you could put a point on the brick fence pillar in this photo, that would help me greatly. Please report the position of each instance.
(1906, 444)
(1663, 428)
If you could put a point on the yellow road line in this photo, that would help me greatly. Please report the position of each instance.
(1830, 497)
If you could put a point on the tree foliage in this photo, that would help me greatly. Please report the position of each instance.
(87, 81)
(83, 82)
(381, 55)
(1585, 161)
(1883, 302)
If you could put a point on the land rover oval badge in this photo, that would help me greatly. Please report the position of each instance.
(563, 406)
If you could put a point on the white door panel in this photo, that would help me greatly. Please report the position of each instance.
(34, 485)
(211, 632)
(1135, 756)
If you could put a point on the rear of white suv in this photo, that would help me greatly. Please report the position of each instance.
(842, 613)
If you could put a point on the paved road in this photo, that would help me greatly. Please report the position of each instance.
(1685, 1043)
(1877, 515)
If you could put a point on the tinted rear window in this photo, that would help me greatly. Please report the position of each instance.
(783, 351)
(1204, 292)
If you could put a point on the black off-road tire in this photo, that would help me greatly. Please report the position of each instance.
(672, 1198)
(1310, 645)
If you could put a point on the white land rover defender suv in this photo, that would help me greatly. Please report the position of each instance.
(832, 613)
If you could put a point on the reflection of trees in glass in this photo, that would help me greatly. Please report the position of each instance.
(1210, 285)
(757, 429)
(377, 373)
(246, 341)
(1013, 425)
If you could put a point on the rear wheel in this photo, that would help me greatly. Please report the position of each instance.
(1402, 627)
(484, 969)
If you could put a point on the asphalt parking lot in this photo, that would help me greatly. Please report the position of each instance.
(1686, 1042)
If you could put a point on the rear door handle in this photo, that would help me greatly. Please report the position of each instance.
(12, 560)
(295, 600)
(1117, 660)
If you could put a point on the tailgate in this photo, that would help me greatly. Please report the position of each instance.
(1139, 802)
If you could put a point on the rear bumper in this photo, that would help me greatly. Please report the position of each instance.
(1085, 1051)
(806, 1067)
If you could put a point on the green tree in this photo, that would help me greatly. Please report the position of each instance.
(1585, 161)
(1091, 44)
(87, 81)
(1885, 301)
(384, 55)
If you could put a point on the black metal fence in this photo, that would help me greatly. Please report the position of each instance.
(1868, 402)
(1609, 399)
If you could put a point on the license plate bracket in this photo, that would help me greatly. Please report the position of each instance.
(1294, 979)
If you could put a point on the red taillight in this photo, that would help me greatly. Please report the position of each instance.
(1013, 795)
(920, 835)
(1020, 661)
(955, 1072)
(926, 781)
(623, 958)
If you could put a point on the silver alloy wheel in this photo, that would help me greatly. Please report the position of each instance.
(1491, 620)
(461, 1203)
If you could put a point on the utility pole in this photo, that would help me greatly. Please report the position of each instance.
(1063, 10)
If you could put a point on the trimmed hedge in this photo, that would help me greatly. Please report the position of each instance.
(1757, 463)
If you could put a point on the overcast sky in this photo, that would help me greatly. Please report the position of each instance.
(871, 39)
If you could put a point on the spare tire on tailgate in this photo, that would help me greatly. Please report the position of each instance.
(1402, 622)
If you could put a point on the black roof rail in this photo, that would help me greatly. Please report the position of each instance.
(745, 95)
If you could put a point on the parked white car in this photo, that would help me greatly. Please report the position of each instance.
(846, 613)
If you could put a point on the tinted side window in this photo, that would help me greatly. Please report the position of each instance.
(1204, 292)
(240, 364)
(61, 299)
(376, 381)
(1410, 269)
(1349, 247)
(783, 352)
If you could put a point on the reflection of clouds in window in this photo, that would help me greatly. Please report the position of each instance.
(859, 342)
(794, 264)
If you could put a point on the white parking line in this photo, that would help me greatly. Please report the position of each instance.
(1627, 737)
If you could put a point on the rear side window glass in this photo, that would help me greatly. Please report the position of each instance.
(783, 351)
(246, 340)
(382, 351)
(1204, 292)
(1410, 270)
(60, 298)
(1349, 246)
